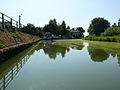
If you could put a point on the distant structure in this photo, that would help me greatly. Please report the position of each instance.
(74, 33)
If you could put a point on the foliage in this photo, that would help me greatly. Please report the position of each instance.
(105, 38)
(56, 29)
(68, 27)
(119, 23)
(112, 31)
(31, 29)
(2, 46)
(64, 29)
(114, 25)
(80, 29)
(97, 26)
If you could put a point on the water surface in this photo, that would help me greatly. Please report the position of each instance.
(63, 65)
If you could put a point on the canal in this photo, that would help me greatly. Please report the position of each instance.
(63, 65)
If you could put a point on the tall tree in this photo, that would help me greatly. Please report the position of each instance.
(52, 27)
(64, 29)
(80, 29)
(97, 26)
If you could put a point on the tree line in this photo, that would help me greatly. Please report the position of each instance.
(101, 30)
(101, 27)
(54, 28)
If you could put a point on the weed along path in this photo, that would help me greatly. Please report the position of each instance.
(63, 65)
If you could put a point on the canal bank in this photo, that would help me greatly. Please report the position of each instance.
(8, 52)
(13, 43)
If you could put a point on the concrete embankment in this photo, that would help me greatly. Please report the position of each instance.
(12, 43)
(8, 52)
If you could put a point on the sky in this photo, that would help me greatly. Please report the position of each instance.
(76, 13)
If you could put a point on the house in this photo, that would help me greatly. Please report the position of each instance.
(75, 33)
(47, 35)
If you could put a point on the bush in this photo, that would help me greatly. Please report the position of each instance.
(2, 46)
(112, 31)
(107, 38)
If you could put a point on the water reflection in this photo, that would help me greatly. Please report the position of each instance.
(97, 54)
(52, 49)
(100, 53)
(10, 68)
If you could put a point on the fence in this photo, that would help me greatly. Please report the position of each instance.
(4, 82)
(9, 23)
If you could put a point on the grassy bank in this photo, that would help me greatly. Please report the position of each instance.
(106, 39)
(8, 39)
(13, 43)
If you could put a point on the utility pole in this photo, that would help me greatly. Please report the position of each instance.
(20, 21)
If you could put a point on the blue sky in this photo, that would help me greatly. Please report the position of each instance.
(75, 12)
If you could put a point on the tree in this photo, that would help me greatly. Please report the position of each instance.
(97, 26)
(114, 25)
(52, 27)
(112, 31)
(64, 29)
(80, 29)
(30, 29)
(68, 27)
(119, 23)
(55, 28)
(59, 29)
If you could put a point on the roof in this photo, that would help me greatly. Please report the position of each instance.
(74, 31)
(44, 33)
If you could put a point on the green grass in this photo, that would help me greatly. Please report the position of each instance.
(68, 42)
(106, 39)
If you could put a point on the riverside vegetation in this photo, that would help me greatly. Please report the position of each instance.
(100, 30)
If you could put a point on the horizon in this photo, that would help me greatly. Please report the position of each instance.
(76, 13)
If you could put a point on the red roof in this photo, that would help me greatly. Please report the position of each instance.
(73, 31)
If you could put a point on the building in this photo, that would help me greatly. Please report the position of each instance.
(47, 35)
(75, 33)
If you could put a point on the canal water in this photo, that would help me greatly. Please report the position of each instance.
(63, 65)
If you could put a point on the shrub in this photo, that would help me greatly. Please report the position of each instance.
(112, 31)
(2, 46)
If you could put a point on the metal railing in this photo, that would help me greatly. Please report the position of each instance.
(8, 23)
